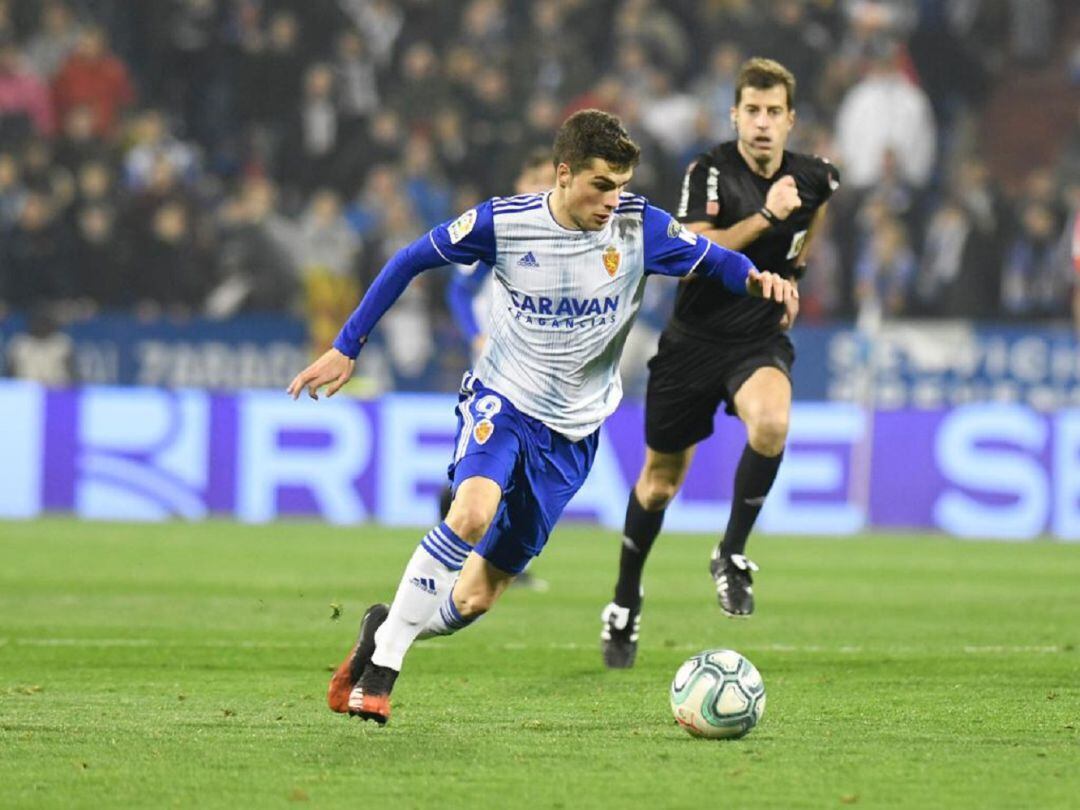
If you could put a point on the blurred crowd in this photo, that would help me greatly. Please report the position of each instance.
(211, 157)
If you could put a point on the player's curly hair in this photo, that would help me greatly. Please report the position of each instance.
(589, 134)
(761, 74)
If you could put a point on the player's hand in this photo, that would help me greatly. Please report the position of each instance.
(791, 308)
(783, 197)
(478, 344)
(770, 286)
(333, 369)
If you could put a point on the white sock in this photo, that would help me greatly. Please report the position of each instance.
(428, 579)
(446, 620)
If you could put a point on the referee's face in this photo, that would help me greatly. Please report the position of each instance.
(591, 195)
(763, 121)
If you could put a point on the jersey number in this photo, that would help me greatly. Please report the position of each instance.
(488, 406)
(796, 245)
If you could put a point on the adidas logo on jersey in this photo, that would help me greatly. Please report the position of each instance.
(528, 260)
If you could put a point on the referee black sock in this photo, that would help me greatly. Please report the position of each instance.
(639, 534)
(753, 480)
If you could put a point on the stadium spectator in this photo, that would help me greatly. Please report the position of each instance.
(421, 90)
(356, 81)
(152, 141)
(1034, 282)
(50, 47)
(78, 142)
(256, 268)
(381, 20)
(42, 354)
(270, 74)
(884, 270)
(313, 145)
(41, 173)
(886, 113)
(94, 76)
(169, 271)
(34, 257)
(715, 90)
(24, 97)
(328, 257)
(103, 258)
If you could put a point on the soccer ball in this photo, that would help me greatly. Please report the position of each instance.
(717, 694)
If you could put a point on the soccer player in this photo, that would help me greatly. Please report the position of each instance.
(750, 195)
(569, 267)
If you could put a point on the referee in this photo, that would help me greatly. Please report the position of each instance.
(753, 196)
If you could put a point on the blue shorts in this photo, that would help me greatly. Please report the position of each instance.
(538, 470)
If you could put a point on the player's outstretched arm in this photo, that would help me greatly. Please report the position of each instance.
(739, 275)
(336, 365)
(333, 369)
(467, 239)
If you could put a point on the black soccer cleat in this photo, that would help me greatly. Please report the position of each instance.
(733, 584)
(619, 635)
(370, 700)
(350, 670)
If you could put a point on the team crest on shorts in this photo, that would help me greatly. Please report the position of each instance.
(462, 226)
(611, 260)
(483, 430)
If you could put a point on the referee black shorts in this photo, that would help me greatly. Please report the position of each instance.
(689, 378)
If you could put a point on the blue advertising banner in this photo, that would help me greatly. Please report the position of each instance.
(980, 470)
(250, 351)
(936, 364)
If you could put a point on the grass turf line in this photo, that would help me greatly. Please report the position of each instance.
(184, 665)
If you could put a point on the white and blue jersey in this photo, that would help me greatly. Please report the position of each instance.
(562, 306)
(564, 300)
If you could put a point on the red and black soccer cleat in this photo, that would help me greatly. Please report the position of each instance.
(370, 700)
(348, 674)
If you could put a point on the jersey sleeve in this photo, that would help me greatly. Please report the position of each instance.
(469, 238)
(700, 200)
(829, 178)
(672, 250)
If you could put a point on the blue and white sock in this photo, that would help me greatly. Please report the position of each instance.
(429, 578)
(447, 619)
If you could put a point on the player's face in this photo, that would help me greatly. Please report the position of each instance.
(591, 194)
(763, 121)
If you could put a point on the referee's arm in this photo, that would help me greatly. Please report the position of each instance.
(742, 233)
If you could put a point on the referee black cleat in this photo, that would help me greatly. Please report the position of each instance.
(619, 635)
(733, 584)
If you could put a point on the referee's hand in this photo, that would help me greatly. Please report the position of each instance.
(333, 369)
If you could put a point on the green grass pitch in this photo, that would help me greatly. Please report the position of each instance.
(186, 665)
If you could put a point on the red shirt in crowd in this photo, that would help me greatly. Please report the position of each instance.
(100, 82)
